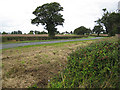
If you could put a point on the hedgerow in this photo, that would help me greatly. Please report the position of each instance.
(27, 38)
(95, 66)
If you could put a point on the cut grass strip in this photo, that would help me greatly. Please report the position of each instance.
(50, 44)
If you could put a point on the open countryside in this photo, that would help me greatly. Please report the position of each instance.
(82, 58)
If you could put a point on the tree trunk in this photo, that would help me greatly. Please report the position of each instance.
(51, 30)
(51, 33)
(98, 34)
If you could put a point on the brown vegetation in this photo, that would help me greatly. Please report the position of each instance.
(35, 65)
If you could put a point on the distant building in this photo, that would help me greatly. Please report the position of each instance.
(119, 6)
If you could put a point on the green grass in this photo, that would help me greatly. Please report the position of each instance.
(50, 44)
(9, 42)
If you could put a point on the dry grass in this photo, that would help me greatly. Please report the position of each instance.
(35, 65)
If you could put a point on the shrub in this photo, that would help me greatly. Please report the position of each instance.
(95, 66)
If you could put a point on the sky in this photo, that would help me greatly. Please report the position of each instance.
(17, 14)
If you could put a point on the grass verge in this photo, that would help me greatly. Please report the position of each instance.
(52, 44)
(9, 42)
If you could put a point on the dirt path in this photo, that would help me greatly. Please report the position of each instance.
(35, 65)
(36, 43)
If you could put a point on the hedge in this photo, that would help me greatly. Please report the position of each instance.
(22, 38)
(95, 66)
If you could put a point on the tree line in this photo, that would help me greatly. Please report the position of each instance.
(49, 15)
(20, 32)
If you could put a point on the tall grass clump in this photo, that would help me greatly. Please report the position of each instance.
(95, 66)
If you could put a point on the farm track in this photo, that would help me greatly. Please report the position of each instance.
(4, 46)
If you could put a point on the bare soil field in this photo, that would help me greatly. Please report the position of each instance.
(23, 68)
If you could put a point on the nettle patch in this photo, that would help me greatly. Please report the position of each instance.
(93, 66)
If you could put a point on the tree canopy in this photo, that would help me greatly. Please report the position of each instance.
(49, 16)
(81, 30)
(111, 21)
(98, 29)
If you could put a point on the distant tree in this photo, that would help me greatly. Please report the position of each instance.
(66, 32)
(62, 32)
(31, 32)
(81, 30)
(13, 32)
(98, 29)
(49, 16)
(16, 32)
(37, 32)
(57, 32)
(88, 31)
(19, 32)
(4, 32)
(71, 32)
(43, 32)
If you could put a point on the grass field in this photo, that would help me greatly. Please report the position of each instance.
(26, 66)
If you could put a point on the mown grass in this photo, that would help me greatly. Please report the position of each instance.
(51, 44)
(95, 66)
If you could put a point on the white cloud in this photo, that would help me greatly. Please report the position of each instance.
(17, 14)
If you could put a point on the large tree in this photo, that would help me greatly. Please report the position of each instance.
(110, 21)
(49, 16)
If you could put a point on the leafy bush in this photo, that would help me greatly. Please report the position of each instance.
(95, 66)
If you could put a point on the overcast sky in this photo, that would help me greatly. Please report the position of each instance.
(17, 14)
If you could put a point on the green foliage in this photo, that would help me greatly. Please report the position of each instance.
(98, 29)
(48, 15)
(22, 62)
(118, 30)
(31, 32)
(82, 30)
(95, 66)
(16, 32)
(111, 21)
(37, 32)
(34, 86)
(4, 32)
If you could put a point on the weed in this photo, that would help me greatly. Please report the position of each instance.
(23, 62)
(34, 86)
